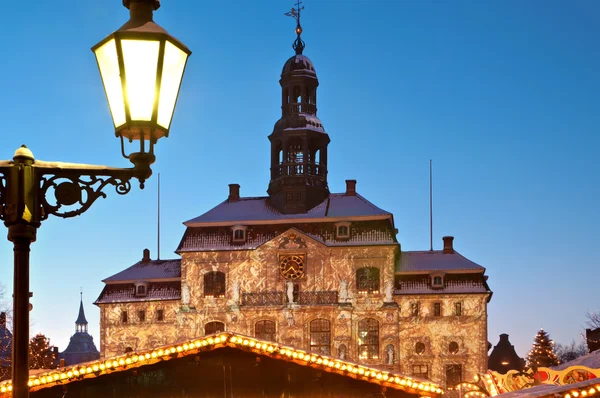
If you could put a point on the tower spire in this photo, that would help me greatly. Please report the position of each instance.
(81, 324)
(299, 44)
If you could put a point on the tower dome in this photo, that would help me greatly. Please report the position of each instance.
(299, 63)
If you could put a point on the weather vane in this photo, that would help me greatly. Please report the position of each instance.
(295, 13)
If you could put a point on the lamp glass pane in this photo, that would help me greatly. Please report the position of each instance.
(140, 58)
(174, 64)
(108, 62)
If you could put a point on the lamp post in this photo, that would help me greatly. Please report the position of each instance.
(141, 67)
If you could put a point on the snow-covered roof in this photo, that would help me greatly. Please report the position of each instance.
(147, 271)
(198, 239)
(435, 260)
(591, 361)
(550, 390)
(257, 210)
(125, 293)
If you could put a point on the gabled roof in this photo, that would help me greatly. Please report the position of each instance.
(197, 347)
(249, 211)
(148, 271)
(435, 260)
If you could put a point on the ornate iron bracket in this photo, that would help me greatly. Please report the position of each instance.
(61, 189)
(73, 190)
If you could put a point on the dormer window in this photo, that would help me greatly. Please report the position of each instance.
(342, 230)
(141, 289)
(437, 280)
(239, 233)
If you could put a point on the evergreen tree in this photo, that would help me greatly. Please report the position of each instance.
(41, 354)
(542, 352)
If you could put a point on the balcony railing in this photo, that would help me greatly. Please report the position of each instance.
(297, 107)
(294, 169)
(318, 298)
(263, 299)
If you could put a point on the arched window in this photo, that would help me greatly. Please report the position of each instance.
(265, 330)
(320, 336)
(420, 348)
(141, 290)
(214, 327)
(437, 281)
(368, 339)
(367, 280)
(214, 284)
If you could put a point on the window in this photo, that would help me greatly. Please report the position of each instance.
(453, 375)
(421, 371)
(214, 327)
(123, 316)
(239, 233)
(458, 309)
(367, 280)
(420, 348)
(453, 347)
(265, 330)
(320, 336)
(342, 230)
(140, 290)
(141, 315)
(438, 281)
(214, 284)
(437, 309)
(368, 339)
(160, 315)
(414, 309)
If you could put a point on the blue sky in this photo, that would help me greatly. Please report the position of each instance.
(504, 96)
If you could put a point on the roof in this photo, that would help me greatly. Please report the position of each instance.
(81, 348)
(591, 360)
(552, 390)
(81, 317)
(219, 238)
(151, 270)
(452, 283)
(248, 211)
(5, 344)
(125, 293)
(204, 345)
(435, 260)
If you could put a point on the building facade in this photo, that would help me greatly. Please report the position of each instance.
(308, 268)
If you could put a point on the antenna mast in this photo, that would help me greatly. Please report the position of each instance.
(158, 222)
(430, 205)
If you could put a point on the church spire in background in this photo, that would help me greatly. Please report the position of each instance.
(81, 324)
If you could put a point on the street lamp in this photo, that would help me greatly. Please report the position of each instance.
(141, 67)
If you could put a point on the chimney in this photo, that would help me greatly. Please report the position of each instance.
(504, 338)
(2, 318)
(350, 187)
(62, 363)
(146, 257)
(448, 244)
(234, 192)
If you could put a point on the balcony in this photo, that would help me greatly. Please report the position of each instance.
(265, 299)
(318, 298)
